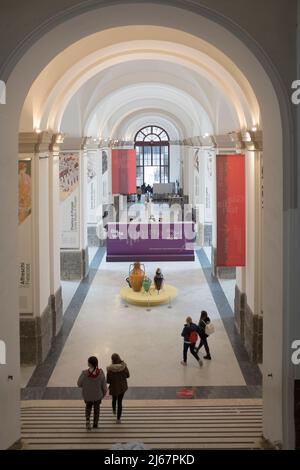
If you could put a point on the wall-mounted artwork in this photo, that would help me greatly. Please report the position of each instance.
(231, 218)
(68, 174)
(104, 162)
(25, 190)
(25, 236)
(69, 200)
(196, 161)
(124, 171)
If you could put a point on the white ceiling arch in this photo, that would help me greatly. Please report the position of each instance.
(130, 125)
(47, 107)
(123, 76)
(115, 106)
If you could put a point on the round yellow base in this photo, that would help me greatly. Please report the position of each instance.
(165, 295)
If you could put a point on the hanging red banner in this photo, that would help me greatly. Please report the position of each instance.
(231, 218)
(124, 171)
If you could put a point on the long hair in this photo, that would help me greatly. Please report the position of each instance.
(115, 359)
(189, 320)
(204, 315)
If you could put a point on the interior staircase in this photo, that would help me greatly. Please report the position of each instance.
(159, 424)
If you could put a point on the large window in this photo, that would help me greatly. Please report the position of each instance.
(152, 156)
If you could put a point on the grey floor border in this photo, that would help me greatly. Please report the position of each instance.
(43, 372)
(37, 389)
(250, 371)
(147, 393)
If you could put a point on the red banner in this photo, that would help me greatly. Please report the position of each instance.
(231, 218)
(124, 171)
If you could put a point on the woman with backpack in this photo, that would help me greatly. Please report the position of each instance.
(117, 375)
(203, 322)
(93, 384)
(190, 334)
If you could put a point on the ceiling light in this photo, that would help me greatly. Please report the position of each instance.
(38, 130)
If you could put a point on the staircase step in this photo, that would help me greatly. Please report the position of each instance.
(232, 426)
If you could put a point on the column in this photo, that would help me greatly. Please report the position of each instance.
(73, 213)
(253, 319)
(248, 291)
(54, 234)
(36, 326)
(94, 191)
(9, 317)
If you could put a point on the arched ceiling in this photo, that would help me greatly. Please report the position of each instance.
(89, 90)
(202, 108)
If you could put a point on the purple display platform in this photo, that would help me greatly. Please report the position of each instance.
(151, 242)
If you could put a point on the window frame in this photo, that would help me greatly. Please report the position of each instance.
(143, 134)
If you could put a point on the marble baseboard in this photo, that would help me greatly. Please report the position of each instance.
(56, 303)
(36, 337)
(239, 312)
(249, 326)
(93, 239)
(221, 272)
(148, 393)
(74, 264)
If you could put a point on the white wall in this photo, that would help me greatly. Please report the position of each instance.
(94, 187)
(54, 223)
(250, 229)
(175, 153)
(41, 235)
(9, 316)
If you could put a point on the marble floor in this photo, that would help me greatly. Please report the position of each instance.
(98, 322)
(150, 342)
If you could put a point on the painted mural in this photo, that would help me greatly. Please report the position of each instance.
(25, 190)
(69, 200)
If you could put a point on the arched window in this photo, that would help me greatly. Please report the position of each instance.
(152, 156)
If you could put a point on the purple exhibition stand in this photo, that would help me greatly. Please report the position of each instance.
(151, 242)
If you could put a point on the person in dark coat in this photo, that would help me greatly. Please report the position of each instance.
(93, 384)
(190, 334)
(117, 375)
(204, 320)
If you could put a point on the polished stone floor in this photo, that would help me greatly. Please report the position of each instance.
(98, 322)
(150, 342)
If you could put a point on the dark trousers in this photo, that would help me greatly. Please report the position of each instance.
(88, 410)
(203, 342)
(117, 400)
(191, 347)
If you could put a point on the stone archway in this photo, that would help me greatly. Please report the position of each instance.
(246, 57)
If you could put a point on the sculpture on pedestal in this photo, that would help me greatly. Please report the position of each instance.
(158, 280)
(147, 284)
(136, 276)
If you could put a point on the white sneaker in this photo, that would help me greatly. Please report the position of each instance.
(183, 363)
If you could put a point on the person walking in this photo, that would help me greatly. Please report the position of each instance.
(93, 384)
(139, 193)
(190, 334)
(117, 375)
(204, 320)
